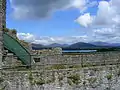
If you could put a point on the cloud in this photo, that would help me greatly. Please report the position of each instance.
(102, 34)
(106, 32)
(107, 14)
(49, 40)
(84, 20)
(105, 24)
(34, 9)
(26, 36)
(42, 8)
(111, 34)
(106, 21)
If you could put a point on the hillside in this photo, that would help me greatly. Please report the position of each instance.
(57, 45)
(82, 45)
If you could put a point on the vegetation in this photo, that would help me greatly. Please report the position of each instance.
(75, 66)
(58, 66)
(50, 80)
(108, 49)
(34, 81)
(24, 43)
(1, 79)
(60, 77)
(30, 77)
(87, 64)
(6, 29)
(69, 81)
(75, 78)
(13, 31)
(62, 66)
(3, 88)
(118, 73)
(40, 81)
(109, 76)
(92, 80)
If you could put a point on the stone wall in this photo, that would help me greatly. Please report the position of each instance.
(45, 52)
(98, 58)
(85, 71)
(89, 78)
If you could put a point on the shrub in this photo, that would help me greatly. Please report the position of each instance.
(75, 66)
(75, 78)
(1, 80)
(50, 80)
(60, 77)
(70, 82)
(14, 31)
(118, 73)
(30, 77)
(109, 76)
(6, 29)
(40, 81)
(58, 66)
(92, 80)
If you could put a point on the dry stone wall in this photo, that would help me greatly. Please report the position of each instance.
(88, 78)
(85, 71)
(98, 58)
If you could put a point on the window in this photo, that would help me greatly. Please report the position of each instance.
(37, 59)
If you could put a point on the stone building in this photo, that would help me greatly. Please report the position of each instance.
(2, 25)
(2, 14)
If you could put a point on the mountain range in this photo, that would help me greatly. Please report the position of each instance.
(78, 45)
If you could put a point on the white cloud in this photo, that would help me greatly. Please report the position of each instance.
(26, 36)
(49, 40)
(85, 20)
(79, 4)
(111, 34)
(106, 21)
(106, 15)
(106, 32)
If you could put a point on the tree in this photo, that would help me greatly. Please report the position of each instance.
(14, 31)
(6, 29)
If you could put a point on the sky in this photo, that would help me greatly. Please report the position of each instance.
(64, 21)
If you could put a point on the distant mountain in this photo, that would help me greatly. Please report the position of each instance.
(79, 45)
(37, 46)
(57, 45)
(115, 44)
(106, 44)
(82, 45)
(100, 43)
(40, 46)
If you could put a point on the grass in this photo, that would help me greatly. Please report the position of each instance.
(92, 80)
(30, 77)
(75, 66)
(118, 73)
(40, 81)
(50, 80)
(75, 78)
(1, 80)
(57, 66)
(60, 77)
(109, 76)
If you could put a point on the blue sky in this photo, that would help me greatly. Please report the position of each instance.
(86, 21)
(61, 23)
